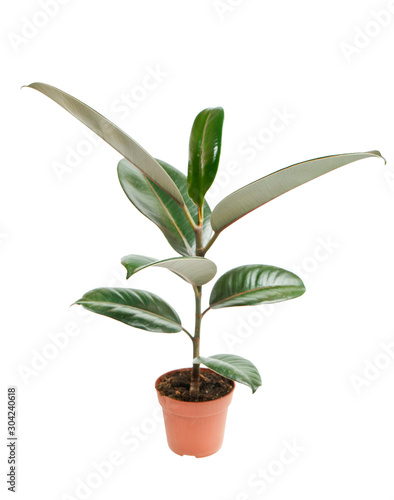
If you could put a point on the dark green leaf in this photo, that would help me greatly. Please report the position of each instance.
(233, 367)
(137, 308)
(196, 270)
(204, 152)
(259, 192)
(161, 209)
(252, 284)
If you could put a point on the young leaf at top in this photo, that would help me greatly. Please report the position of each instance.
(137, 308)
(253, 284)
(114, 136)
(259, 192)
(204, 152)
(161, 209)
(233, 367)
(196, 270)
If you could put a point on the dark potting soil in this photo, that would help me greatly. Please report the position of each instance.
(177, 386)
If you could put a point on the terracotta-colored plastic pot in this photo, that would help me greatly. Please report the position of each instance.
(194, 428)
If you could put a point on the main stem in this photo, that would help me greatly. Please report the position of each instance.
(195, 381)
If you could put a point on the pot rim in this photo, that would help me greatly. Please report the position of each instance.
(193, 402)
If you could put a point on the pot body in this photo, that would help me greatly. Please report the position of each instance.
(194, 428)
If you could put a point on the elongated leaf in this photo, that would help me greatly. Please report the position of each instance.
(259, 192)
(253, 284)
(204, 152)
(195, 270)
(137, 308)
(161, 209)
(233, 367)
(114, 136)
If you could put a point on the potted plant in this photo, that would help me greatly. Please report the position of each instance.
(195, 399)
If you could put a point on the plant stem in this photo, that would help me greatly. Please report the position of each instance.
(188, 334)
(199, 246)
(195, 381)
(189, 217)
(206, 310)
(210, 243)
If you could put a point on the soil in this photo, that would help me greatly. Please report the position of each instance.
(176, 385)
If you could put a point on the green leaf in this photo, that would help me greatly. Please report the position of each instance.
(114, 136)
(161, 209)
(259, 192)
(134, 263)
(253, 284)
(204, 152)
(137, 308)
(195, 270)
(233, 367)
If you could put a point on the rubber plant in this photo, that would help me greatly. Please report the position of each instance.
(176, 204)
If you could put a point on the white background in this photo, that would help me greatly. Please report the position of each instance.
(63, 233)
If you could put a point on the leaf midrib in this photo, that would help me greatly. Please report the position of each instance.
(185, 242)
(240, 371)
(200, 172)
(114, 304)
(156, 264)
(282, 170)
(253, 290)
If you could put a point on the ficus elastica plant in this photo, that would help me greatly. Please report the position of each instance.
(176, 203)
